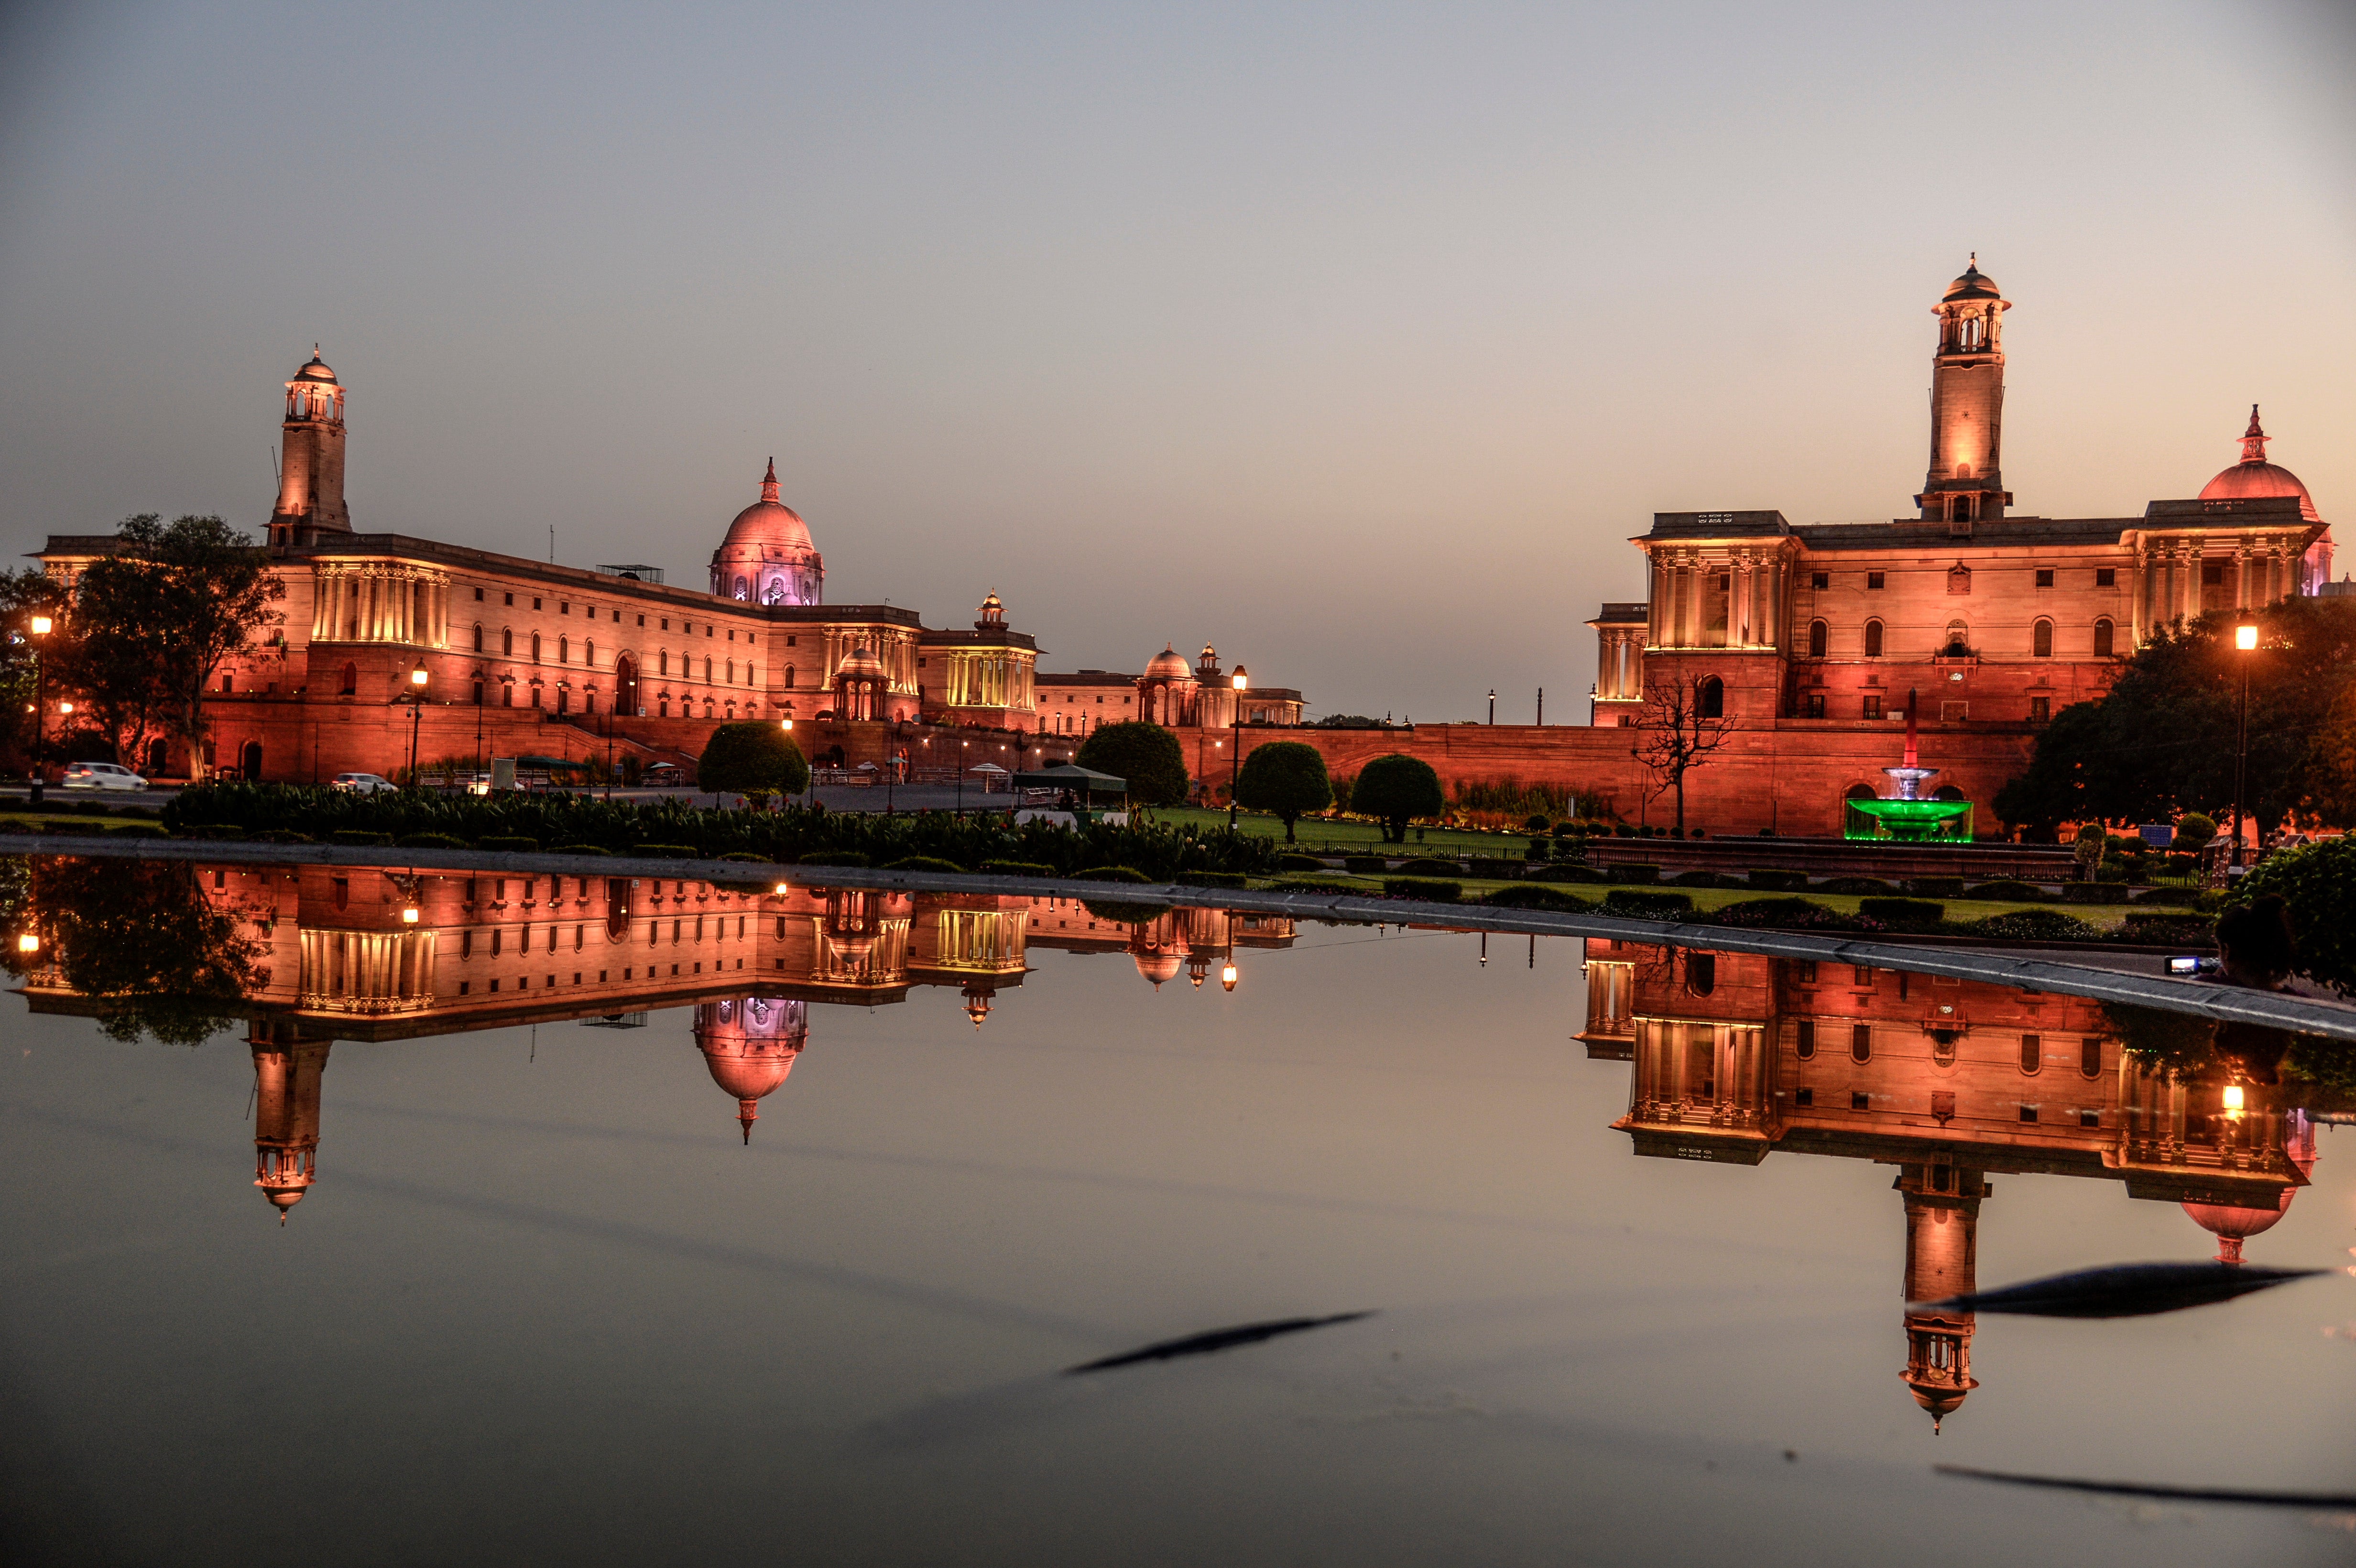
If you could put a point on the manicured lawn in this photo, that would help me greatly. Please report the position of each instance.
(1318, 833)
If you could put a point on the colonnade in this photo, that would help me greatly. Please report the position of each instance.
(1691, 610)
(380, 602)
(2258, 570)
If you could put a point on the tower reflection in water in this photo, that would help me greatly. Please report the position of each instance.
(1733, 1057)
(382, 954)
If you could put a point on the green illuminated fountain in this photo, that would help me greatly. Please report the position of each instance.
(1905, 817)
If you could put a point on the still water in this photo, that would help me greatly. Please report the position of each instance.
(439, 1218)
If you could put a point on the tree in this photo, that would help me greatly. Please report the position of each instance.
(1145, 754)
(2317, 884)
(143, 939)
(2162, 740)
(24, 594)
(1287, 778)
(1677, 728)
(752, 758)
(151, 623)
(1394, 788)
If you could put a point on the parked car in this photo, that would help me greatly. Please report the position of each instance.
(101, 775)
(663, 774)
(363, 783)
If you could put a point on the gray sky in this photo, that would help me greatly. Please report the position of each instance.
(1358, 340)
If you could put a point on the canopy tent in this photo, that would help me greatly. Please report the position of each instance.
(1072, 776)
(985, 768)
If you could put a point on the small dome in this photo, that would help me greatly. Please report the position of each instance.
(317, 370)
(862, 662)
(1158, 965)
(1974, 284)
(2231, 1225)
(1169, 663)
(768, 528)
(2254, 478)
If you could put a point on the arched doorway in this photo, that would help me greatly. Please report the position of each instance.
(159, 756)
(248, 761)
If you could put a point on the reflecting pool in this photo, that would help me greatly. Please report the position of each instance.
(367, 1217)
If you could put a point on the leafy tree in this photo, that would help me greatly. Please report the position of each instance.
(24, 594)
(151, 623)
(142, 940)
(2162, 740)
(1394, 788)
(2194, 829)
(1287, 778)
(1145, 754)
(2317, 884)
(1677, 732)
(752, 758)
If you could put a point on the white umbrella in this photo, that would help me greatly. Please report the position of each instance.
(984, 768)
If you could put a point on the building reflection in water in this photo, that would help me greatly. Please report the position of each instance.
(1732, 1057)
(386, 955)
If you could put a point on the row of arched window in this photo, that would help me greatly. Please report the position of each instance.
(1958, 639)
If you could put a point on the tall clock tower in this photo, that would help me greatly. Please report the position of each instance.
(1966, 482)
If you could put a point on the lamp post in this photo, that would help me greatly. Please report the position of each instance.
(960, 778)
(1235, 763)
(416, 712)
(1493, 705)
(41, 627)
(2245, 639)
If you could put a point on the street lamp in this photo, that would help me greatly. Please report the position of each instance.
(41, 627)
(1493, 705)
(416, 712)
(1234, 769)
(2245, 639)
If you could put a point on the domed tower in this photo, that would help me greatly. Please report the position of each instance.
(311, 457)
(1165, 692)
(1943, 1221)
(285, 1116)
(2254, 476)
(749, 1044)
(767, 557)
(1966, 483)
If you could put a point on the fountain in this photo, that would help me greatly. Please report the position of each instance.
(1906, 815)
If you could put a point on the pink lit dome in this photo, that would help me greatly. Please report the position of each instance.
(2254, 478)
(1169, 663)
(1974, 284)
(768, 557)
(749, 1045)
(2232, 1225)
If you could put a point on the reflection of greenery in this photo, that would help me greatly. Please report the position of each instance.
(2178, 1042)
(2329, 1062)
(1124, 911)
(140, 937)
(2188, 1045)
(2315, 881)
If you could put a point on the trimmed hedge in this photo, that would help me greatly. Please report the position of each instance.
(737, 854)
(355, 835)
(1017, 868)
(924, 863)
(1636, 871)
(281, 836)
(1365, 865)
(1935, 887)
(1782, 915)
(2093, 893)
(2031, 925)
(228, 831)
(1854, 885)
(1112, 874)
(1292, 862)
(1777, 880)
(595, 850)
(1121, 912)
(665, 851)
(1493, 871)
(505, 844)
(1530, 895)
(1428, 865)
(140, 830)
(1640, 903)
(1213, 879)
(2172, 928)
(1902, 912)
(1699, 879)
(1567, 872)
(430, 841)
(1422, 888)
(844, 857)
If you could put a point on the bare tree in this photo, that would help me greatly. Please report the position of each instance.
(1681, 723)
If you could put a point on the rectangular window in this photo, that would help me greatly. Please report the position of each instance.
(564, 606)
(1873, 580)
(479, 596)
(1820, 580)
(1859, 1100)
(1872, 706)
(2041, 710)
(1861, 1043)
(2106, 577)
(1812, 705)
(666, 626)
(790, 642)
(2090, 1119)
(1806, 968)
(642, 620)
(1803, 1098)
(508, 597)
(1861, 975)
(2044, 577)
(2029, 1113)
(1804, 1039)
(535, 604)
(1955, 712)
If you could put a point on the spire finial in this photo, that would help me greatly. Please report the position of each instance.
(2254, 439)
(769, 483)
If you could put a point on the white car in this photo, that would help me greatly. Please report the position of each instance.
(101, 775)
(363, 783)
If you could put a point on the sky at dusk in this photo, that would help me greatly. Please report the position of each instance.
(1356, 339)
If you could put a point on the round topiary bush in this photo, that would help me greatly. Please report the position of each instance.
(1148, 756)
(1395, 790)
(752, 757)
(1285, 779)
(2033, 925)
